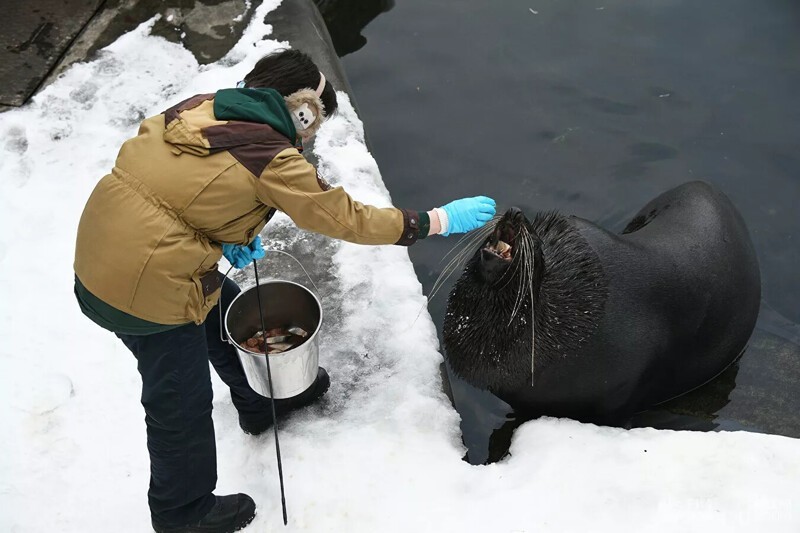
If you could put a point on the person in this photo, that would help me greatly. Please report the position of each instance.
(199, 181)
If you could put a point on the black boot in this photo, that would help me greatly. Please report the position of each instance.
(255, 425)
(230, 513)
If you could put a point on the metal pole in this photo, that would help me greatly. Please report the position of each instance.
(271, 395)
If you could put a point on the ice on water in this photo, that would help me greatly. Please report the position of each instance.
(382, 452)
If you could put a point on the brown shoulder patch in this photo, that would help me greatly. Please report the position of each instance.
(237, 133)
(256, 157)
(253, 145)
(172, 113)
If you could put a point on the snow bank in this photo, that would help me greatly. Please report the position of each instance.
(383, 451)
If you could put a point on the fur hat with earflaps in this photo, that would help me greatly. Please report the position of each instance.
(307, 109)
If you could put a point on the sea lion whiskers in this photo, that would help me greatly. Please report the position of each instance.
(525, 253)
(521, 254)
(533, 333)
(459, 258)
(457, 262)
(488, 228)
(466, 244)
(525, 247)
(500, 249)
(529, 253)
(509, 274)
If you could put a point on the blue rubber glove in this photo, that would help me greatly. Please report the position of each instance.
(240, 256)
(468, 214)
(257, 251)
(236, 254)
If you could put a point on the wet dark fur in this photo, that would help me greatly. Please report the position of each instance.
(622, 321)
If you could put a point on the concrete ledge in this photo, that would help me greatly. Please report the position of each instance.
(207, 28)
(35, 35)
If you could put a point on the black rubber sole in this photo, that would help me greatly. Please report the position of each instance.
(192, 529)
(245, 522)
(239, 523)
(287, 405)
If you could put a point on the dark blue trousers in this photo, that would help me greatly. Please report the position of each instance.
(176, 395)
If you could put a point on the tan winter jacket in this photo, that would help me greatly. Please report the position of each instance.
(150, 235)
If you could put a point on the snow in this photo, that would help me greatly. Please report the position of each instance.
(383, 451)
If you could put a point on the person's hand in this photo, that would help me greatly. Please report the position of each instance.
(256, 249)
(466, 214)
(240, 256)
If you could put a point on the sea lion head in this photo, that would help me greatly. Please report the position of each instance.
(530, 294)
(488, 329)
(510, 251)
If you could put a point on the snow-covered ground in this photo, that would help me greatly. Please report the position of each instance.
(384, 453)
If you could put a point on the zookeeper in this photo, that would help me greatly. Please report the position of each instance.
(197, 182)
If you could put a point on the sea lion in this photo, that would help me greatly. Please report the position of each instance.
(620, 322)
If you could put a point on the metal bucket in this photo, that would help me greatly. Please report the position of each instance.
(285, 303)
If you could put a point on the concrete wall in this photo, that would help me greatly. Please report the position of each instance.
(207, 28)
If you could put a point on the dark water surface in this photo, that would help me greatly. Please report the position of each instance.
(594, 108)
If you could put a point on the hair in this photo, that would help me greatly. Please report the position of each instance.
(288, 71)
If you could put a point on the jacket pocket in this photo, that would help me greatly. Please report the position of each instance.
(211, 281)
(206, 284)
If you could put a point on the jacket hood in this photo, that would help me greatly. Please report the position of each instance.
(208, 123)
(264, 106)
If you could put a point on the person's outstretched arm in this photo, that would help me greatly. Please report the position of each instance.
(292, 185)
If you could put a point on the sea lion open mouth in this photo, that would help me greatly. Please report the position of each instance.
(501, 249)
(502, 241)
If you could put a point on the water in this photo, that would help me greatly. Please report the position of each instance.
(594, 108)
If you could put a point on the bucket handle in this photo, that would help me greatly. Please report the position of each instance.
(222, 335)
